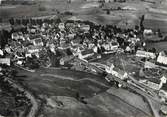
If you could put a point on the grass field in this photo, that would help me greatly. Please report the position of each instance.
(60, 87)
(155, 14)
(63, 85)
(160, 46)
(64, 82)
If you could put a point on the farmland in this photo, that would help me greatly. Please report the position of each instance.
(81, 90)
(154, 13)
(59, 88)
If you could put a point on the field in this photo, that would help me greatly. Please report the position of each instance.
(105, 105)
(155, 14)
(64, 82)
(60, 87)
(160, 46)
(21, 11)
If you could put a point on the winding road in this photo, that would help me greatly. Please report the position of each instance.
(79, 80)
(35, 107)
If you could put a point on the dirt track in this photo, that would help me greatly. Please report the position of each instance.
(79, 80)
(35, 106)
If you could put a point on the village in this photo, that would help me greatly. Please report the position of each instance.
(53, 50)
(76, 44)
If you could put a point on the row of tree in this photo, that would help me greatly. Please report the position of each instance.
(25, 21)
(4, 36)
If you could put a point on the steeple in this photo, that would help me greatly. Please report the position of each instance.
(163, 81)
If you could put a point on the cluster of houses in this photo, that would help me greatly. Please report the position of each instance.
(7, 85)
(157, 58)
(153, 73)
(52, 44)
(77, 38)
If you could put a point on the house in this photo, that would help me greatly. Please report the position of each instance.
(1, 52)
(5, 61)
(63, 46)
(150, 65)
(129, 8)
(33, 49)
(76, 41)
(152, 85)
(71, 36)
(110, 47)
(148, 34)
(162, 58)
(37, 42)
(16, 36)
(34, 36)
(61, 26)
(144, 54)
(155, 84)
(86, 53)
(32, 29)
(85, 28)
(163, 80)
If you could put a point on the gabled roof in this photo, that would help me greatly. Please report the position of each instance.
(38, 40)
(164, 53)
(88, 51)
(34, 36)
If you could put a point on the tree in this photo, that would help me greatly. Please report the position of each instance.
(68, 51)
(42, 8)
(58, 20)
(24, 22)
(69, 1)
(108, 11)
(141, 23)
(18, 21)
(0, 20)
(159, 33)
(154, 50)
(5, 36)
(136, 27)
(77, 96)
(11, 21)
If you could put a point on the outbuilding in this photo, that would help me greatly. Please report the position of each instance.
(162, 58)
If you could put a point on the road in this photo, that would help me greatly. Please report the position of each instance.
(78, 80)
(138, 88)
(35, 106)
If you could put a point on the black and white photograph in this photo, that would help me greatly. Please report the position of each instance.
(83, 58)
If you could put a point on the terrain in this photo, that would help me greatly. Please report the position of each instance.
(155, 12)
(59, 89)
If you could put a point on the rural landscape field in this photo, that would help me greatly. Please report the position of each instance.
(44, 71)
